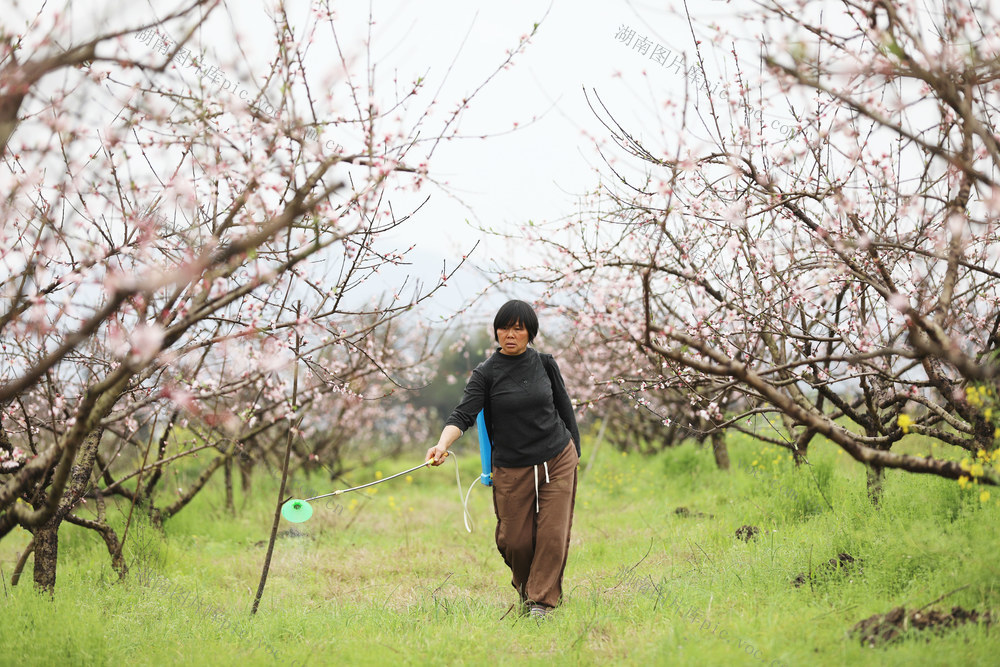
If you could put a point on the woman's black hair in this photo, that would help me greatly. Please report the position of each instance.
(516, 312)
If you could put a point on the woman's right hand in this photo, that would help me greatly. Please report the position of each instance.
(436, 454)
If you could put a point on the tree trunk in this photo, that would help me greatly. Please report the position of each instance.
(246, 483)
(876, 477)
(228, 470)
(47, 554)
(47, 535)
(597, 445)
(719, 450)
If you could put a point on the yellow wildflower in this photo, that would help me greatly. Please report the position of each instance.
(964, 465)
(963, 481)
(378, 474)
(972, 396)
(976, 470)
(409, 479)
(984, 496)
(904, 422)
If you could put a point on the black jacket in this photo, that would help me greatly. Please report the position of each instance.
(529, 415)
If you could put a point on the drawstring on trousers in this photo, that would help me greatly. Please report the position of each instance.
(545, 464)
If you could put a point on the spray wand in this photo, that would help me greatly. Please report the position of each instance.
(299, 510)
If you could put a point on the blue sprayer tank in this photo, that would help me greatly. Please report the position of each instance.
(485, 450)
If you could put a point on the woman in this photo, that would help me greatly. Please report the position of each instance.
(536, 449)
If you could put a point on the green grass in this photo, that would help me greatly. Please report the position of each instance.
(392, 576)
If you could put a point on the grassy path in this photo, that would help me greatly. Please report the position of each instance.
(391, 576)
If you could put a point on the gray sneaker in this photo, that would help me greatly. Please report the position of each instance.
(539, 612)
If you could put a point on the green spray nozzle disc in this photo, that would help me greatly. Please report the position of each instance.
(296, 510)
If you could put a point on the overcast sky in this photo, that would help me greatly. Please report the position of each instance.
(535, 173)
(539, 171)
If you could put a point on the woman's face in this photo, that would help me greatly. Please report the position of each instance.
(513, 340)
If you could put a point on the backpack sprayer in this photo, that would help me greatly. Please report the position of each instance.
(485, 450)
(299, 510)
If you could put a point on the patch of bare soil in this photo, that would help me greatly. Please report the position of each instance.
(842, 563)
(747, 533)
(685, 512)
(882, 629)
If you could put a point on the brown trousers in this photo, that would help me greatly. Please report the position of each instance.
(535, 544)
